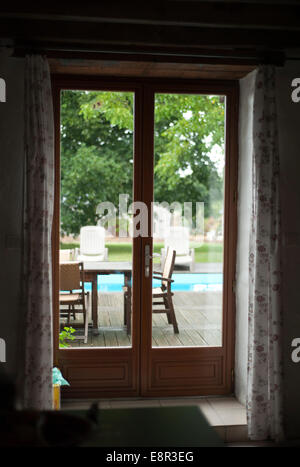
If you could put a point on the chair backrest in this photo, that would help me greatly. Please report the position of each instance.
(92, 240)
(178, 239)
(168, 266)
(70, 276)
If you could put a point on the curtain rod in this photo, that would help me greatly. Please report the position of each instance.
(273, 57)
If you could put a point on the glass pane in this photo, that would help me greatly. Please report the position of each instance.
(96, 183)
(188, 217)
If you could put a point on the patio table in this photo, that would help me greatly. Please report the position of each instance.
(91, 271)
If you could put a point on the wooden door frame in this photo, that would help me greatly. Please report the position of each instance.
(150, 363)
(163, 369)
(106, 372)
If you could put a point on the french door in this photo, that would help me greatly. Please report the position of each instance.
(151, 162)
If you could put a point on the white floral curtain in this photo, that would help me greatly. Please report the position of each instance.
(38, 211)
(264, 401)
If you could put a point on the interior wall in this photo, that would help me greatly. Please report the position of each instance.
(243, 215)
(11, 198)
(289, 124)
(289, 143)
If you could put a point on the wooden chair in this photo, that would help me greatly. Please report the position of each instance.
(163, 293)
(72, 294)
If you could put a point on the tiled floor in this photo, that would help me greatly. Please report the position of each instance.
(226, 414)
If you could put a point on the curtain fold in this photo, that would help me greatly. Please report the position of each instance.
(265, 365)
(38, 213)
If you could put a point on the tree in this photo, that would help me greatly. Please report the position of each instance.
(97, 151)
(187, 128)
(96, 161)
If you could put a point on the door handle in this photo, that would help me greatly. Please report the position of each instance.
(147, 260)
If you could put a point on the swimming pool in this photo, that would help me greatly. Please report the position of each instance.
(197, 282)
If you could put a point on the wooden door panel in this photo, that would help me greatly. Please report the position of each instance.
(99, 375)
(187, 373)
(180, 371)
(98, 372)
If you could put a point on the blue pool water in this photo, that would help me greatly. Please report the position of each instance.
(182, 282)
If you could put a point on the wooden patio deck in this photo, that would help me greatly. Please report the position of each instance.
(199, 317)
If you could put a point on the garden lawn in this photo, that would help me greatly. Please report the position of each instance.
(206, 253)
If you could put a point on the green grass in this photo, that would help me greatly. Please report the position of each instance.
(207, 253)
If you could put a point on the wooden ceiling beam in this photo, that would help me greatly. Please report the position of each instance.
(214, 14)
(62, 32)
(155, 55)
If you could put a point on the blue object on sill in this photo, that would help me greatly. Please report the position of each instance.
(57, 378)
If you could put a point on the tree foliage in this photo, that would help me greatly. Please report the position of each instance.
(96, 161)
(97, 151)
(186, 130)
